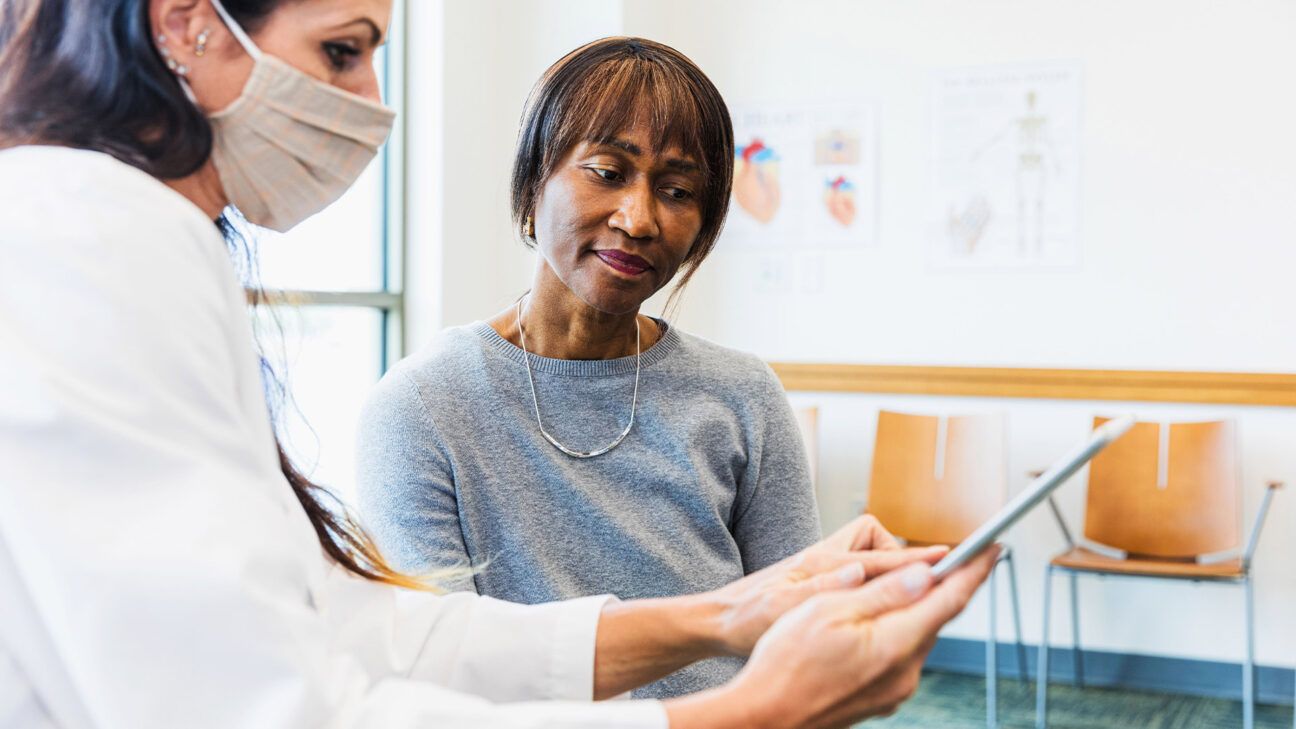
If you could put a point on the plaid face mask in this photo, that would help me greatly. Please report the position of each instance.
(291, 145)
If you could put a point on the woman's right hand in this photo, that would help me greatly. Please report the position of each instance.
(859, 551)
(841, 656)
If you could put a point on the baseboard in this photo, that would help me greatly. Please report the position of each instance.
(1121, 670)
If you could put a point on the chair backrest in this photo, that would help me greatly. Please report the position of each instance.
(936, 478)
(1167, 490)
(808, 423)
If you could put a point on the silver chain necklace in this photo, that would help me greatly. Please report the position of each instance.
(634, 400)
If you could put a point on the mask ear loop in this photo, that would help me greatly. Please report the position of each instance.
(242, 37)
(239, 35)
(188, 90)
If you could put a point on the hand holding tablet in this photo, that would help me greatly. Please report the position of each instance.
(1037, 491)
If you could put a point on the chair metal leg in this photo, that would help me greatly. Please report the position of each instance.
(1077, 655)
(1016, 608)
(1041, 678)
(1248, 668)
(992, 648)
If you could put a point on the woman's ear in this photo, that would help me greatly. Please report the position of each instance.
(173, 21)
(195, 44)
(181, 32)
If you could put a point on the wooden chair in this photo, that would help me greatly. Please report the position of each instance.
(935, 480)
(808, 424)
(1164, 502)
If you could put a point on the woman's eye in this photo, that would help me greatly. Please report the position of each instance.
(340, 55)
(606, 174)
(678, 193)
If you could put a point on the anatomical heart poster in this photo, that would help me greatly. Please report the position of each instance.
(805, 176)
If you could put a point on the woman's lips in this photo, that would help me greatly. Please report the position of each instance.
(626, 263)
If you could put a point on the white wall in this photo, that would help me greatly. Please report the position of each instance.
(1189, 172)
(472, 64)
(1189, 241)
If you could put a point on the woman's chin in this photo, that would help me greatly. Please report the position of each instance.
(614, 303)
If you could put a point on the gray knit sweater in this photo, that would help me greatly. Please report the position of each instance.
(711, 484)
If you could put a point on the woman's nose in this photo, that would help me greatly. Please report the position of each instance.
(637, 214)
(370, 88)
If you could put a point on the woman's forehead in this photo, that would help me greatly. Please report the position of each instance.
(654, 115)
(341, 14)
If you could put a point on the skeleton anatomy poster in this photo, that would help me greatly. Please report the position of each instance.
(1007, 167)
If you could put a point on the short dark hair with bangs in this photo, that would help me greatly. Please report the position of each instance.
(605, 86)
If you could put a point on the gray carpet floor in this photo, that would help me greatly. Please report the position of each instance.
(954, 701)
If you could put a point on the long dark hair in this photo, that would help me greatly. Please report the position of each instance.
(600, 88)
(86, 74)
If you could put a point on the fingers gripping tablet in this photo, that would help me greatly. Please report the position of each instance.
(1032, 495)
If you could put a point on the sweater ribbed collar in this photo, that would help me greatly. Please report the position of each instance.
(579, 367)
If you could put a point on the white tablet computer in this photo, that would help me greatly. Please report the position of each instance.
(1032, 495)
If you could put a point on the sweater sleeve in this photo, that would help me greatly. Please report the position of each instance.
(776, 511)
(405, 483)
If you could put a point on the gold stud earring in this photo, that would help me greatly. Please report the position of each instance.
(200, 49)
(528, 228)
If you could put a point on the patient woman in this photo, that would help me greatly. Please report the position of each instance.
(577, 445)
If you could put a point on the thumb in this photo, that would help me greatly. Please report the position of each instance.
(892, 591)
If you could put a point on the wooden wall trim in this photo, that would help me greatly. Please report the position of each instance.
(1223, 388)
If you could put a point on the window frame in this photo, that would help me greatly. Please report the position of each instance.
(390, 299)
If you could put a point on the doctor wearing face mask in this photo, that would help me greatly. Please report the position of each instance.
(162, 564)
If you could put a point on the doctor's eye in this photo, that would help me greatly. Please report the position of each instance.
(340, 55)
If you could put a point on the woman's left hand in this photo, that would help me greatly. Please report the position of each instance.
(861, 550)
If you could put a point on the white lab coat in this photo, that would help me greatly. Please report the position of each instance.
(155, 568)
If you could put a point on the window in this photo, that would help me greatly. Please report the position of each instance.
(341, 274)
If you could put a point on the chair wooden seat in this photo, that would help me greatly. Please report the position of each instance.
(1084, 560)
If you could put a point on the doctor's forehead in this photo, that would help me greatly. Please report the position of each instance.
(370, 18)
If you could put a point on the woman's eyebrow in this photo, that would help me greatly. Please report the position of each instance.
(621, 144)
(375, 33)
(675, 163)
